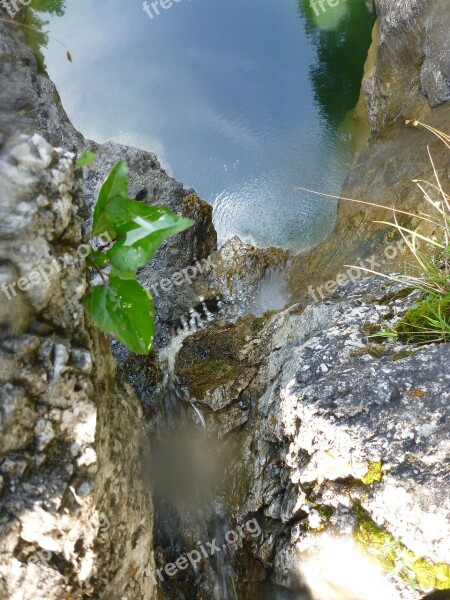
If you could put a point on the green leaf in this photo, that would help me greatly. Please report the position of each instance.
(383, 334)
(130, 274)
(120, 212)
(141, 230)
(125, 310)
(86, 159)
(100, 259)
(116, 185)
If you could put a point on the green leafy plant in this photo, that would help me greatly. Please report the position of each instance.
(119, 305)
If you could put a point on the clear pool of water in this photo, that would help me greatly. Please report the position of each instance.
(240, 99)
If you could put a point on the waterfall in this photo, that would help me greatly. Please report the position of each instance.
(189, 515)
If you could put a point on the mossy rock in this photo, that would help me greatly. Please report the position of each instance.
(415, 325)
(324, 511)
(376, 351)
(372, 331)
(402, 355)
(398, 295)
(147, 367)
(209, 375)
(389, 552)
(370, 328)
(375, 541)
(210, 358)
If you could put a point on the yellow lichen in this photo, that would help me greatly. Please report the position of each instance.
(392, 555)
(374, 474)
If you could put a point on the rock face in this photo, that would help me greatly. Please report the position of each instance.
(335, 443)
(75, 517)
(249, 279)
(29, 102)
(412, 67)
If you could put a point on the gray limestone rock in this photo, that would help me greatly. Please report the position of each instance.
(351, 427)
(75, 513)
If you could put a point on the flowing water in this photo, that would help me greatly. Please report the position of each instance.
(184, 475)
(242, 100)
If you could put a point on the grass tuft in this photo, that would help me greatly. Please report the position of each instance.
(429, 319)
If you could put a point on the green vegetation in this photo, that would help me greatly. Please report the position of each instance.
(395, 558)
(30, 19)
(120, 306)
(402, 355)
(429, 319)
(86, 159)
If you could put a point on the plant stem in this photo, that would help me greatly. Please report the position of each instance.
(31, 28)
(99, 271)
(100, 248)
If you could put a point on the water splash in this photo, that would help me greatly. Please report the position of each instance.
(172, 396)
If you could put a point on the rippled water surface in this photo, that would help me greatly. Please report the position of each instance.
(240, 99)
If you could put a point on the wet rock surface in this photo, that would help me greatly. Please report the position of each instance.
(249, 279)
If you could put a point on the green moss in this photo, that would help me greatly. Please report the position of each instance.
(376, 351)
(388, 316)
(147, 367)
(417, 326)
(207, 375)
(374, 474)
(375, 542)
(324, 511)
(371, 329)
(402, 355)
(211, 357)
(429, 575)
(390, 553)
(392, 296)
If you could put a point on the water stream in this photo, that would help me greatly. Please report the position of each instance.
(188, 513)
